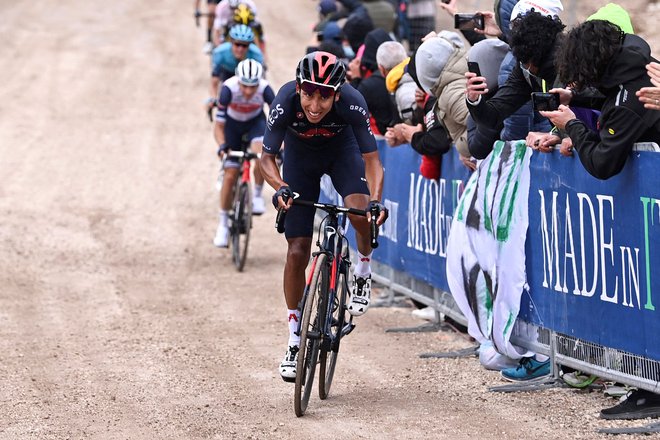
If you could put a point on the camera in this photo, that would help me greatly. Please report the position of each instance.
(468, 22)
(545, 101)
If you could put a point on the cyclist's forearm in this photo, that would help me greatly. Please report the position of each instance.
(219, 133)
(374, 174)
(270, 171)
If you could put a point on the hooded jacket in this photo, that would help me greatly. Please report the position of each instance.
(623, 120)
(449, 89)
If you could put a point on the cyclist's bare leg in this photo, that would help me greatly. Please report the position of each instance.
(227, 191)
(361, 225)
(297, 257)
(210, 18)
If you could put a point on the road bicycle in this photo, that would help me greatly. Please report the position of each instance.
(324, 318)
(240, 215)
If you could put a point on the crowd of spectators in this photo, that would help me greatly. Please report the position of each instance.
(420, 92)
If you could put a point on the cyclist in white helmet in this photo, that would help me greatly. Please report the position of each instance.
(224, 17)
(240, 112)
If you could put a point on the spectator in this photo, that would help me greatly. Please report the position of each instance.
(372, 83)
(534, 39)
(382, 14)
(399, 82)
(327, 9)
(599, 54)
(488, 54)
(440, 66)
(421, 19)
(356, 28)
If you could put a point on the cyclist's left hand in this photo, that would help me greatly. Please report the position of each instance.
(382, 211)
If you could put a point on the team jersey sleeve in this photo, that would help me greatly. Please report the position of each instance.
(223, 102)
(269, 95)
(353, 109)
(278, 117)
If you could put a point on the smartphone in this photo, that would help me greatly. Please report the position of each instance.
(473, 67)
(468, 22)
(545, 101)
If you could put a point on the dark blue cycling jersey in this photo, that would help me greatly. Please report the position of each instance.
(333, 147)
(348, 118)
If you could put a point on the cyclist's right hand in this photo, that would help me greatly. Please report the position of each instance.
(283, 198)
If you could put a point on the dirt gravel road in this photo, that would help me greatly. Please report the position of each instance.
(120, 320)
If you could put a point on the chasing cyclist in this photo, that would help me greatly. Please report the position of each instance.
(240, 112)
(226, 57)
(325, 126)
(210, 19)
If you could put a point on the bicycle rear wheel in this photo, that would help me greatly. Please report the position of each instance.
(241, 225)
(310, 335)
(330, 352)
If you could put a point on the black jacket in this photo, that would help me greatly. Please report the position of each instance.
(623, 120)
(434, 139)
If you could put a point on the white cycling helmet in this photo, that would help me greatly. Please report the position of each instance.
(234, 3)
(249, 72)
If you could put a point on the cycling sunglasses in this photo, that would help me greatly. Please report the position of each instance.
(310, 87)
(241, 44)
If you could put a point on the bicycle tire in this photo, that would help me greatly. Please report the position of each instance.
(312, 319)
(328, 357)
(242, 225)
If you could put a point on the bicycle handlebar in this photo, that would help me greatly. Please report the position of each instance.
(246, 154)
(331, 209)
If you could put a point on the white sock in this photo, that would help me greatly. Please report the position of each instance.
(293, 317)
(257, 190)
(222, 217)
(363, 266)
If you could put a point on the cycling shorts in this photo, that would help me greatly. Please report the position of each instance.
(252, 130)
(303, 169)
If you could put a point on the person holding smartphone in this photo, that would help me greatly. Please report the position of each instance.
(599, 54)
(534, 40)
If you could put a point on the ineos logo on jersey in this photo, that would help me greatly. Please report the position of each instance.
(274, 114)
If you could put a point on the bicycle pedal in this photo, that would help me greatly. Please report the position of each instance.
(348, 328)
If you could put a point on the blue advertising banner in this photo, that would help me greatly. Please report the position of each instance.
(591, 245)
(591, 249)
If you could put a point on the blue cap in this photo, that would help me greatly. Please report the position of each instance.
(327, 7)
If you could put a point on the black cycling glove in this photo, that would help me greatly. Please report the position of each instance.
(284, 192)
(375, 208)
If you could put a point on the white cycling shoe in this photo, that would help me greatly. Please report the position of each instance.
(207, 48)
(360, 296)
(258, 206)
(288, 364)
(221, 236)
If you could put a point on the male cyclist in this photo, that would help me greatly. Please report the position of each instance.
(226, 57)
(210, 8)
(244, 15)
(224, 15)
(240, 112)
(325, 126)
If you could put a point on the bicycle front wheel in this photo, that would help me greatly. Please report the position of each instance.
(311, 334)
(242, 223)
(330, 352)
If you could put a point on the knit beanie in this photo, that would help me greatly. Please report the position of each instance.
(371, 42)
(614, 14)
(356, 28)
(489, 54)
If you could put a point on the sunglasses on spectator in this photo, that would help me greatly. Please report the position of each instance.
(241, 44)
(309, 88)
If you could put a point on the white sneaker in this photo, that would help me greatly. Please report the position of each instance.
(221, 236)
(207, 48)
(258, 206)
(288, 365)
(360, 296)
